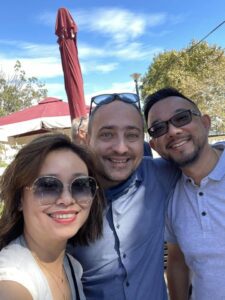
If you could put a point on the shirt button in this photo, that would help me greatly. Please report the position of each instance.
(118, 226)
(204, 213)
(124, 255)
(127, 283)
(201, 193)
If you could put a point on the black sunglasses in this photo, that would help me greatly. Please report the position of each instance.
(107, 98)
(48, 189)
(178, 120)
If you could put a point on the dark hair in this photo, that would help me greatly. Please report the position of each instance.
(161, 94)
(24, 169)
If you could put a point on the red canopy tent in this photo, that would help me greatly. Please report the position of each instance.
(48, 115)
(66, 30)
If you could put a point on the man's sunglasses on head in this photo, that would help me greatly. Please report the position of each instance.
(48, 189)
(178, 120)
(107, 98)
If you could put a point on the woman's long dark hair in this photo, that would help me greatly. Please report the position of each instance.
(22, 172)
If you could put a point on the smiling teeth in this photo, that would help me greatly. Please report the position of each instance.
(63, 216)
(178, 144)
(119, 161)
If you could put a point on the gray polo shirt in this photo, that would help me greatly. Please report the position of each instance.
(196, 221)
(127, 262)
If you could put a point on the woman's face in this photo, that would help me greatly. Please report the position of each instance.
(59, 221)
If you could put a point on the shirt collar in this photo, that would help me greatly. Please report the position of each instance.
(123, 188)
(218, 171)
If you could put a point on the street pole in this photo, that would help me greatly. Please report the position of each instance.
(136, 77)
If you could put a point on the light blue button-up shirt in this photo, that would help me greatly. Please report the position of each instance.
(127, 262)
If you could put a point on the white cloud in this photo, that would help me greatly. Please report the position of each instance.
(37, 50)
(42, 68)
(119, 30)
(120, 27)
(93, 66)
(46, 63)
(86, 51)
(106, 68)
(123, 87)
(120, 24)
(135, 51)
(45, 67)
(116, 87)
(131, 51)
(27, 49)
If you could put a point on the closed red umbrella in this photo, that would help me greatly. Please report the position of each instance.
(66, 30)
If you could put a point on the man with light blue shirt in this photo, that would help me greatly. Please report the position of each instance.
(126, 263)
(195, 228)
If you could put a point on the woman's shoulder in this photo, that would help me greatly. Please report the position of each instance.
(14, 290)
(15, 261)
(14, 253)
(18, 265)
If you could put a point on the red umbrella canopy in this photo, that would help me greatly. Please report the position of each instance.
(49, 115)
(47, 108)
(66, 30)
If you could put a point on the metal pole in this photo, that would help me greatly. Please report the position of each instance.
(136, 77)
(137, 88)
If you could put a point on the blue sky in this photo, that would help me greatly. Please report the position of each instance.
(115, 38)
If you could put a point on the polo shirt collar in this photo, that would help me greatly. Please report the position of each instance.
(219, 171)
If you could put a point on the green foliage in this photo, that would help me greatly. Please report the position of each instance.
(197, 71)
(1, 207)
(3, 164)
(19, 91)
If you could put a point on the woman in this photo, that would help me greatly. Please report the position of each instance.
(50, 197)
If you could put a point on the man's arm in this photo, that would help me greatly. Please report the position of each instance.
(177, 273)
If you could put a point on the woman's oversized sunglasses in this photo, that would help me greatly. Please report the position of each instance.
(48, 189)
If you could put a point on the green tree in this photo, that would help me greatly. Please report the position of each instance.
(19, 91)
(197, 71)
(1, 207)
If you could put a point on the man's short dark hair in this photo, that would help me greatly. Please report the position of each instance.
(161, 94)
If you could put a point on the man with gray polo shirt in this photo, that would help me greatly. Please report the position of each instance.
(195, 228)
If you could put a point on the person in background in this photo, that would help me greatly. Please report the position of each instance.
(195, 229)
(126, 263)
(79, 130)
(50, 196)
